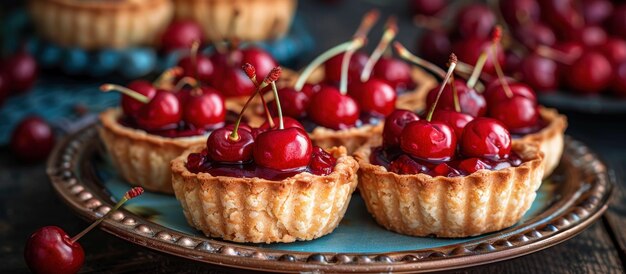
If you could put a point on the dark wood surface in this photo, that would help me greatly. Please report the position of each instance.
(28, 202)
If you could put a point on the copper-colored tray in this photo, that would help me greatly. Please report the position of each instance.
(574, 197)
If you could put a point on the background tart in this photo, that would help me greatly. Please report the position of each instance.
(143, 159)
(301, 207)
(422, 205)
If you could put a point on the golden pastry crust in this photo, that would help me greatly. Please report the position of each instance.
(351, 138)
(550, 138)
(257, 19)
(101, 24)
(415, 100)
(422, 205)
(302, 207)
(142, 159)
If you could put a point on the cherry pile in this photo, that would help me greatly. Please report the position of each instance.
(278, 149)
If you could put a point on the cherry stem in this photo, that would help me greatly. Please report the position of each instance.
(134, 192)
(496, 65)
(281, 124)
(234, 136)
(452, 62)
(308, 70)
(250, 71)
(168, 76)
(368, 21)
(478, 68)
(390, 33)
(406, 55)
(185, 81)
(455, 94)
(557, 55)
(195, 46)
(345, 63)
(126, 91)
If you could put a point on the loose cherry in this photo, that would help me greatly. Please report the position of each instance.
(374, 96)
(470, 101)
(475, 21)
(32, 140)
(329, 108)
(205, 108)
(590, 74)
(394, 124)
(595, 12)
(222, 147)
(457, 120)
(539, 72)
(181, 35)
(428, 7)
(486, 138)
(21, 70)
(614, 50)
(130, 105)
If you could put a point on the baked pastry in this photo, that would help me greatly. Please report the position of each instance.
(154, 126)
(101, 24)
(254, 20)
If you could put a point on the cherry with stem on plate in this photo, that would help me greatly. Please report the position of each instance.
(52, 250)
(32, 140)
(21, 70)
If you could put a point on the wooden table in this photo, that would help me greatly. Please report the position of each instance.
(28, 202)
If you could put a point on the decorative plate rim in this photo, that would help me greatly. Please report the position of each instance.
(562, 220)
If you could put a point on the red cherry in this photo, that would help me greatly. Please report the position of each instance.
(617, 22)
(242, 126)
(590, 74)
(394, 124)
(431, 141)
(618, 84)
(162, 111)
(51, 250)
(470, 101)
(428, 7)
(5, 88)
(21, 70)
(288, 122)
(486, 138)
(472, 165)
(181, 35)
(310, 89)
(589, 36)
(233, 82)
(206, 109)
(130, 105)
(563, 15)
(227, 59)
(262, 61)
(393, 71)
(32, 140)
(520, 12)
(495, 92)
(539, 72)
(283, 149)
(517, 113)
(374, 96)
(596, 12)
(204, 68)
(443, 169)
(435, 46)
(294, 103)
(456, 120)
(614, 50)
(321, 161)
(469, 50)
(329, 108)
(221, 148)
(475, 21)
(406, 165)
(535, 34)
(332, 67)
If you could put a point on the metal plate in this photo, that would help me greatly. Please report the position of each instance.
(569, 201)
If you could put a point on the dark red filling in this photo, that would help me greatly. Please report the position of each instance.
(398, 162)
(180, 129)
(321, 163)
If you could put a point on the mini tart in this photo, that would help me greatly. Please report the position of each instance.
(257, 20)
(422, 205)
(302, 207)
(550, 138)
(143, 159)
(101, 24)
(415, 99)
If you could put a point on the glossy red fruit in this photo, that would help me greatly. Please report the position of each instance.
(589, 36)
(435, 46)
(617, 22)
(472, 165)
(205, 110)
(204, 68)
(596, 12)
(470, 49)
(321, 161)
(294, 103)
(495, 92)
(427, 7)
(310, 89)
(262, 61)
(374, 96)
(406, 165)
(457, 120)
(618, 84)
(21, 70)
(590, 74)
(233, 82)
(394, 124)
(517, 113)
(431, 141)
(395, 72)
(443, 169)
(540, 73)
(226, 60)
(288, 122)
(50, 250)
(181, 35)
(520, 12)
(222, 149)
(614, 50)
(283, 149)
(332, 67)
(130, 105)
(563, 15)
(32, 139)
(486, 138)
(329, 108)
(162, 111)
(535, 34)
(475, 21)
(470, 101)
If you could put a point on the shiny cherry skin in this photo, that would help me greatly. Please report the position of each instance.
(472, 165)
(540, 73)
(495, 92)
(535, 34)
(590, 74)
(614, 50)
(470, 101)
(221, 148)
(162, 111)
(373, 96)
(294, 103)
(431, 141)
(486, 138)
(562, 15)
(262, 61)
(332, 67)
(321, 161)
(204, 68)
(329, 108)
(288, 122)
(517, 113)
(50, 250)
(130, 106)
(394, 124)
(435, 46)
(589, 36)
(233, 82)
(475, 21)
(520, 12)
(427, 7)
(469, 50)
(395, 72)
(21, 70)
(457, 120)
(206, 109)
(310, 89)
(618, 84)
(282, 149)
(32, 139)
(181, 35)
(617, 22)
(596, 12)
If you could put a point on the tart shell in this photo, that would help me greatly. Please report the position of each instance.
(142, 159)
(351, 138)
(422, 205)
(101, 24)
(302, 207)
